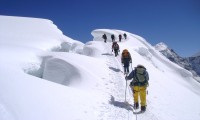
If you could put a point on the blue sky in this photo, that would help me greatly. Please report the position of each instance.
(174, 22)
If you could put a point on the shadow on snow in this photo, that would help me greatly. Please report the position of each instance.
(109, 54)
(123, 105)
(115, 69)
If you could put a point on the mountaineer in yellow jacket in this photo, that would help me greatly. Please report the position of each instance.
(139, 85)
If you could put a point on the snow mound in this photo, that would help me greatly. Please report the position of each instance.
(21, 30)
(145, 53)
(26, 38)
(60, 71)
(91, 50)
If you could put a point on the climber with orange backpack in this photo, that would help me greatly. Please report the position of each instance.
(126, 60)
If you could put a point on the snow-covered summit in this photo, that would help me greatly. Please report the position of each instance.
(164, 49)
(24, 37)
(161, 46)
(190, 63)
(22, 30)
(69, 80)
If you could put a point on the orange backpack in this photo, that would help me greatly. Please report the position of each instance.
(125, 54)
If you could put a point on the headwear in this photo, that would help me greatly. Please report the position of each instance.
(140, 66)
(125, 50)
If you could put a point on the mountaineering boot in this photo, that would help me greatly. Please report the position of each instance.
(125, 73)
(143, 108)
(136, 105)
(116, 54)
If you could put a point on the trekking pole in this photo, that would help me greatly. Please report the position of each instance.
(125, 89)
(131, 67)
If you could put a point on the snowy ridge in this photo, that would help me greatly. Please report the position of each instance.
(85, 81)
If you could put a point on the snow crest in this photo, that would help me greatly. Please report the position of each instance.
(60, 71)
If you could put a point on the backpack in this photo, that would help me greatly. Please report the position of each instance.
(120, 36)
(141, 75)
(104, 36)
(112, 36)
(116, 46)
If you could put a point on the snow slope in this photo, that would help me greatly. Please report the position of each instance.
(46, 75)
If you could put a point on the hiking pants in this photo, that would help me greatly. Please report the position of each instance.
(126, 64)
(126, 69)
(139, 91)
(116, 52)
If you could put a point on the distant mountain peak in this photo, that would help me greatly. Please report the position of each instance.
(191, 63)
(161, 46)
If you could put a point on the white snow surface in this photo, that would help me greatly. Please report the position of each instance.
(46, 75)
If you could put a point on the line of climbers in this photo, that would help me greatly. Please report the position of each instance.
(139, 77)
(115, 46)
(113, 37)
(139, 83)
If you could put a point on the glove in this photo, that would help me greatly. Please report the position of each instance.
(147, 84)
(132, 83)
(119, 50)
